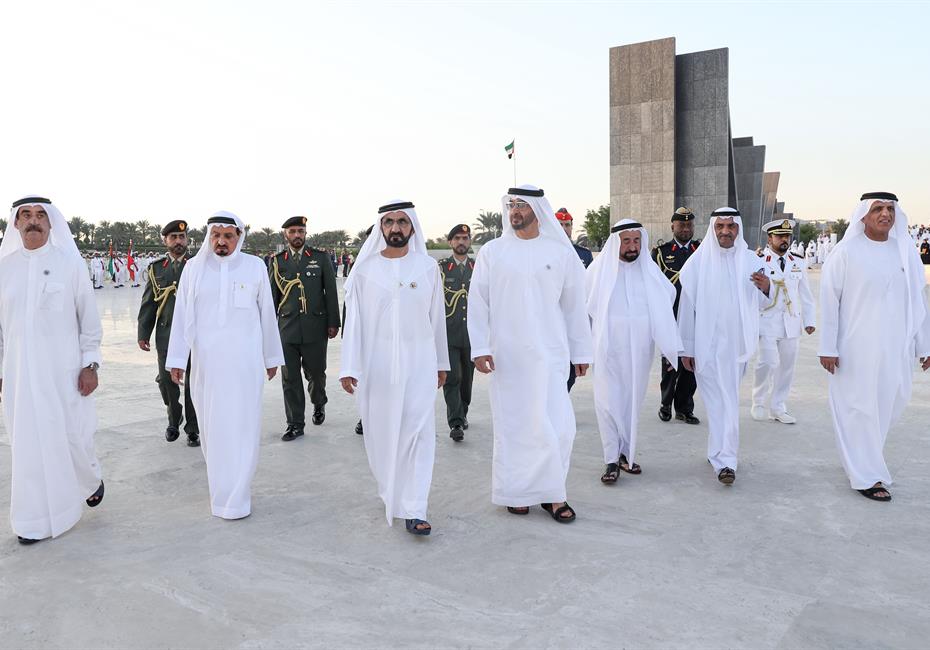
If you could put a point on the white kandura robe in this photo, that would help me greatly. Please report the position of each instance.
(621, 376)
(527, 309)
(98, 271)
(50, 331)
(719, 374)
(235, 339)
(863, 296)
(394, 344)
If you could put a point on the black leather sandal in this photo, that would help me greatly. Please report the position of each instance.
(557, 515)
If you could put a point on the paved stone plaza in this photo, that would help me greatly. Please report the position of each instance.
(789, 557)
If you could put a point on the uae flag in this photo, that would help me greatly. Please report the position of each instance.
(110, 267)
(509, 149)
(130, 263)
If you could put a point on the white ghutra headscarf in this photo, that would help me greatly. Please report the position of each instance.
(375, 242)
(548, 224)
(59, 232)
(916, 310)
(193, 272)
(702, 275)
(601, 277)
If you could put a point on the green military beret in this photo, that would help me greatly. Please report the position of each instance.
(460, 229)
(295, 221)
(178, 225)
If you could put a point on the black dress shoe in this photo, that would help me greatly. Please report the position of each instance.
(687, 418)
(465, 424)
(25, 541)
(319, 414)
(292, 433)
(665, 413)
(193, 439)
(358, 428)
(172, 433)
(457, 434)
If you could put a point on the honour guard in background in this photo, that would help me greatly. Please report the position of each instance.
(456, 277)
(584, 254)
(156, 312)
(677, 385)
(780, 323)
(303, 287)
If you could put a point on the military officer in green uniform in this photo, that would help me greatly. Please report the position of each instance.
(677, 385)
(456, 273)
(156, 312)
(303, 287)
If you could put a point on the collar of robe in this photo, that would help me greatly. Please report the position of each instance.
(38, 252)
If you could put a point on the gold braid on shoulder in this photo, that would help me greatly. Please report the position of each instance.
(451, 296)
(779, 287)
(664, 268)
(160, 294)
(285, 286)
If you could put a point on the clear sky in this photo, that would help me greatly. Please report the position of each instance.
(161, 110)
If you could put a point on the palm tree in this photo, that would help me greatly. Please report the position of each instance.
(490, 226)
(360, 238)
(76, 224)
(143, 230)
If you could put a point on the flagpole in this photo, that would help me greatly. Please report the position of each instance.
(515, 168)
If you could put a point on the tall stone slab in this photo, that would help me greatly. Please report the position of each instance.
(769, 194)
(642, 134)
(749, 164)
(671, 142)
(703, 166)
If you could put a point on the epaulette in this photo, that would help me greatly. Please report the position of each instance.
(317, 250)
(759, 252)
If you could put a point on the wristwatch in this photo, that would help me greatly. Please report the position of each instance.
(93, 366)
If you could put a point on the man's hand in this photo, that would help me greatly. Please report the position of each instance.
(442, 378)
(349, 384)
(830, 364)
(761, 280)
(484, 364)
(87, 381)
(271, 372)
(924, 364)
(331, 332)
(809, 329)
(177, 376)
(581, 369)
(688, 363)
(144, 345)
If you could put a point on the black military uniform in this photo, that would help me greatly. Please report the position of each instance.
(157, 312)
(303, 287)
(456, 279)
(677, 385)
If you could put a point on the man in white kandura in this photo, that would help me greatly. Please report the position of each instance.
(394, 356)
(50, 354)
(97, 271)
(630, 302)
(527, 320)
(224, 319)
(722, 290)
(792, 306)
(875, 324)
